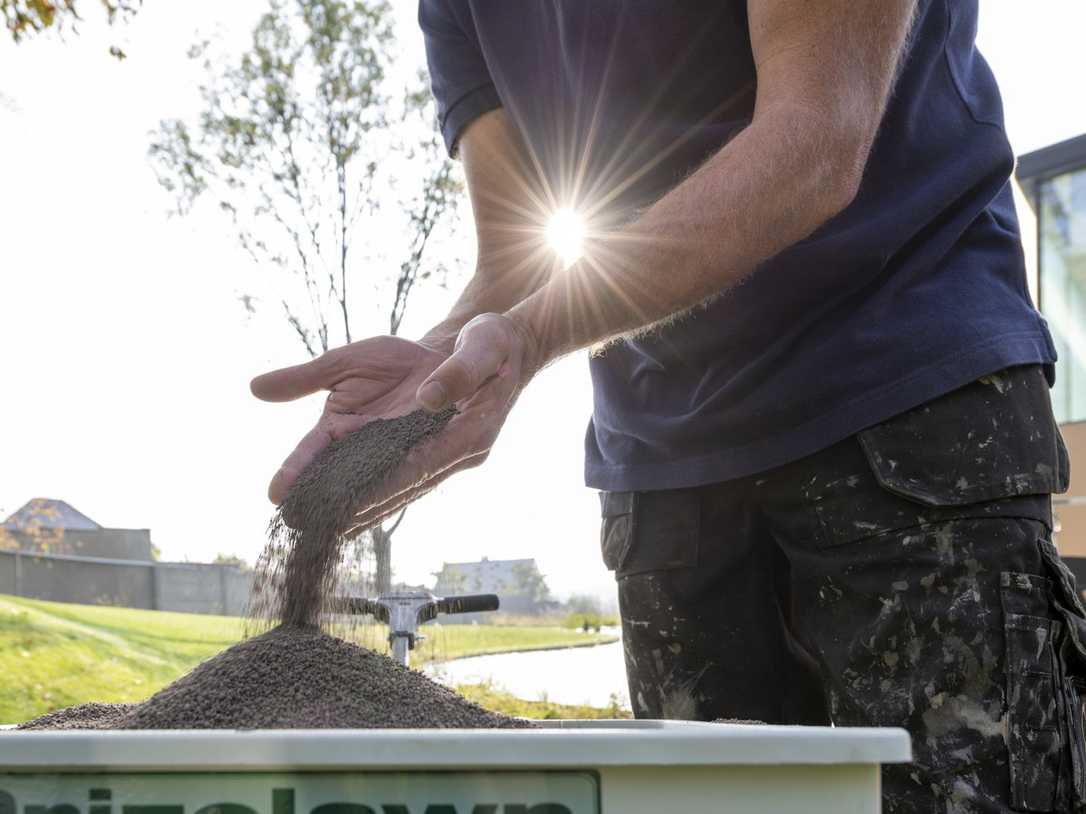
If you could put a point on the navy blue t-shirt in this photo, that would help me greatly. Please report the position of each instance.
(917, 288)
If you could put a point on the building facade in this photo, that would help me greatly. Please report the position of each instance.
(1054, 182)
(519, 584)
(48, 526)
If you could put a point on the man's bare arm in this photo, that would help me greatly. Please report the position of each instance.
(506, 205)
(825, 72)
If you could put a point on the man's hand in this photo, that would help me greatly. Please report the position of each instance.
(494, 358)
(386, 377)
(373, 378)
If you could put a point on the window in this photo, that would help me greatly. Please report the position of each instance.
(1062, 247)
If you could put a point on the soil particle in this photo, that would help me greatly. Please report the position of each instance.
(290, 678)
(297, 572)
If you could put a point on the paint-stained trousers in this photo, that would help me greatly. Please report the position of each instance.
(903, 577)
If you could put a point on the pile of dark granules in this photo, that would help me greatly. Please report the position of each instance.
(295, 675)
(83, 716)
(290, 678)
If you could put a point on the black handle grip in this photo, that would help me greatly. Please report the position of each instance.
(472, 603)
(359, 606)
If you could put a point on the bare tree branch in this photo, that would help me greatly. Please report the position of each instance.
(303, 334)
(390, 531)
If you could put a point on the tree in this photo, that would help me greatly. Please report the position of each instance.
(232, 560)
(32, 529)
(25, 18)
(586, 604)
(303, 143)
(530, 583)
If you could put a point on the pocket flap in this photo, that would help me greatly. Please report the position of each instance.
(995, 438)
(667, 525)
(649, 531)
(613, 504)
(617, 530)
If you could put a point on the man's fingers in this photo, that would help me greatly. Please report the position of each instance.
(296, 381)
(459, 376)
(330, 428)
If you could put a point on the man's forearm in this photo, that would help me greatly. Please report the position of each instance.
(772, 186)
(825, 71)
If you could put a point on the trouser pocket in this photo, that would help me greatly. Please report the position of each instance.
(989, 449)
(617, 527)
(1045, 627)
(1035, 736)
(1070, 652)
(644, 532)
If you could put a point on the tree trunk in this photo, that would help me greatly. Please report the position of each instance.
(382, 553)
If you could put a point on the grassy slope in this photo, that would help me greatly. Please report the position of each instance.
(53, 655)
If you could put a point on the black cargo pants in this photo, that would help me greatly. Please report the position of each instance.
(903, 577)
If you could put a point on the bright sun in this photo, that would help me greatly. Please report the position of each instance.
(565, 234)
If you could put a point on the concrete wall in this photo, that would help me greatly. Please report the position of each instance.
(197, 588)
(91, 583)
(191, 588)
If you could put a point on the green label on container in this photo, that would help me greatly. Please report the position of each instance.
(302, 793)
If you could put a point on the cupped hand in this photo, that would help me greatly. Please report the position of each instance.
(494, 358)
(372, 378)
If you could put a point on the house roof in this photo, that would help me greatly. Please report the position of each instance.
(47, 513)
(1057, 159)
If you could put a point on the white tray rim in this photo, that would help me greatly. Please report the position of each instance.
(557, 745)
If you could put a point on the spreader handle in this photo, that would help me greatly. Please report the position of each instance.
(472, 603)
(358, 605)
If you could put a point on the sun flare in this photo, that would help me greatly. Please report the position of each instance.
(565, 236)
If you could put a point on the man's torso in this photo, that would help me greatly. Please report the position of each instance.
(914, 290)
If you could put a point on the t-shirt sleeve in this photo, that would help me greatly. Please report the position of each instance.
(459, 76)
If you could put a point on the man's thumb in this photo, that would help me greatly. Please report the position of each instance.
(469, 367)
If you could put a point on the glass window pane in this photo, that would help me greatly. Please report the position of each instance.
(1063, 287)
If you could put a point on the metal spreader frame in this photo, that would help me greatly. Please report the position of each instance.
(404, 612)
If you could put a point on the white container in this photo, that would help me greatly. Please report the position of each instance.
(570, 767)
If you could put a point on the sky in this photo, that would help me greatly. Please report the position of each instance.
(125, 354)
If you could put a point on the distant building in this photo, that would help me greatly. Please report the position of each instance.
(50, 550)
(1054, 181)
(48, 526)
(519, 583)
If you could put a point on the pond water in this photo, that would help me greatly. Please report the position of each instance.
(577, 675)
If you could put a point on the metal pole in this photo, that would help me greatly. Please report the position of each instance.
(400, 650)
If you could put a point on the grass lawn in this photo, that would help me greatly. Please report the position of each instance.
(54, 655)
(487, 696)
